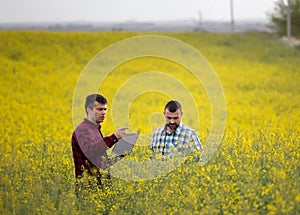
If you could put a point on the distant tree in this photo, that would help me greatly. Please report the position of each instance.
(278, 17)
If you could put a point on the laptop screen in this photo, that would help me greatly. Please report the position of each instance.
(125, 144)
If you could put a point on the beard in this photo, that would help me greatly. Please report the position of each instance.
(172, 126)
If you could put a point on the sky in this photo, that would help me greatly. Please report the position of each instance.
(39, 11)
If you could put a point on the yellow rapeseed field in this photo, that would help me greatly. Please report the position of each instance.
(255, 170)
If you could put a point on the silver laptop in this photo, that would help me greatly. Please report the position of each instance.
(125, 144)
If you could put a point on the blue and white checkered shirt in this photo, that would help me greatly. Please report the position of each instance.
(164, 142)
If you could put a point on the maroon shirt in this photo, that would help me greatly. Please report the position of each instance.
(89, 147)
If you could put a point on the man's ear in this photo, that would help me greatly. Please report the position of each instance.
(89, 110)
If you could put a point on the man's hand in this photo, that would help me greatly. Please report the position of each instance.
(120, 132)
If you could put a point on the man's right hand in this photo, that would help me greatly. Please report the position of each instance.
(120, 132)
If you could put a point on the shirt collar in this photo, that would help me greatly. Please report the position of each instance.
(98, 126)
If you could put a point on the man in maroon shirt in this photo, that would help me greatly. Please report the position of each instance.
(88, 144)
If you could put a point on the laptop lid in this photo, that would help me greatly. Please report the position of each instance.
(125, 144)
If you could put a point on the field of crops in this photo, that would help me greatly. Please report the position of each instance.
(255, 170)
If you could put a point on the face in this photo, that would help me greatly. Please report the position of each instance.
(172, 119)
(97, 114)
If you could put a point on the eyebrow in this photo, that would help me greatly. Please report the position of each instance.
(101, 108)
(172, 117)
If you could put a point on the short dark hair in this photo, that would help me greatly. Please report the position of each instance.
(90, 99)
(173, 106)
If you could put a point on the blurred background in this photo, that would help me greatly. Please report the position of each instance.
(137, 15)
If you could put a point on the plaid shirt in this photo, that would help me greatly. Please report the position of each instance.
(164, 142)
(89, 147)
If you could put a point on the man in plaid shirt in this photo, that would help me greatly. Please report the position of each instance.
(174, 135)
(88, 144)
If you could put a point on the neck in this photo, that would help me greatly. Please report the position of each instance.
(169, 130)
(92, 120)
